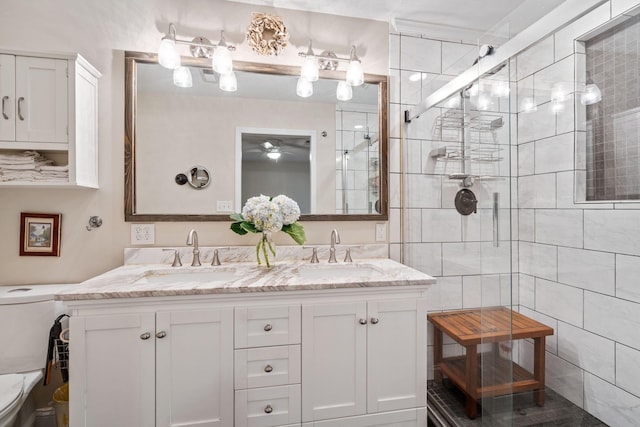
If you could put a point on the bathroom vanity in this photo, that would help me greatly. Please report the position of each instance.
(298, 344)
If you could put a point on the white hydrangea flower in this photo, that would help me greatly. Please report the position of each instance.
(289, 209)
(264, 214)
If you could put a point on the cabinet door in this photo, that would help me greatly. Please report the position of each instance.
(41, 99)
(194, 374)
(333, 360)
(396, 355)
(7, 97)
(112, 371)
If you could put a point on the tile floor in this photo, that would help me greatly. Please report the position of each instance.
(448, 402)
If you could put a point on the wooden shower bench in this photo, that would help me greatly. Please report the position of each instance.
(496, 376)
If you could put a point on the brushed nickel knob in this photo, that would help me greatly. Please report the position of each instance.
(268, 368)
(374, 320)
(268, 327)
(268, 409)
(145, 336)
(161, 334)
(363, 321)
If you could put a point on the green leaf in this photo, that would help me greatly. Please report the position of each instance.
(236, 227)
(237, 217)
(296, 231)
(247, 226)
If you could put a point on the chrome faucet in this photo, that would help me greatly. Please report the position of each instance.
(335, 238)
(192, 240)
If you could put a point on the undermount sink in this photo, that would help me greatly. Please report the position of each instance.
(334, 271)
(181, 276)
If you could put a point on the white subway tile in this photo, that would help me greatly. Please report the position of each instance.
(535, 58)
(526, 158)
(410, 89)
(394, 225)
(555, 82)
(527, 291)
(559, 227)
(423, 191)
(394, 155)
(538, 260)
(426, 257)
(445, 294)
(459, 259)
(627, 274)
(612, 231)
(627, 372)
(526, 224)
(480, 291)
(622, 6)
(612, 317)
(413, 225)
(564, 38)
(495, 260)
(537, 191)
(457, 57)
(560, 301)
(565, 379)
(423, 127)
(525, 91)
(394, 190)
(537, 124)
(419, 54)
(394, 51)
(565, 118)
(610, 404)
(590, 270)
(589, 351)
(554, 154)
(412, 156)
(441, 225)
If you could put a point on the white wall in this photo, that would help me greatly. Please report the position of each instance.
(101, 31)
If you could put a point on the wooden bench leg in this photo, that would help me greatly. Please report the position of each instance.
(437, 355)
(471, 381)
(538, 369)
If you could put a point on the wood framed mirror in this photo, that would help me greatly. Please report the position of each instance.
(169, 128)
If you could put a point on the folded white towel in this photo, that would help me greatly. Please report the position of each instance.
(53, 168)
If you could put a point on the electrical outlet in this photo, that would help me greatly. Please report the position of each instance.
(143, 234)
(224, 206)
(381, 232)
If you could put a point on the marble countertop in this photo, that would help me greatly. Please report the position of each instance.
(160, 279)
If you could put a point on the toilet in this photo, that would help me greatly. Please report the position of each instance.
(26, 313)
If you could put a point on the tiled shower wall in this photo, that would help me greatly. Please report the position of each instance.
(578, 264)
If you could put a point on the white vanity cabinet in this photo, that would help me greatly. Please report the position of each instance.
(364, 357)
(163, 368)
(49, 104)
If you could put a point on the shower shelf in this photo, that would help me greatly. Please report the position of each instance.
(456, 119)
(478, 153)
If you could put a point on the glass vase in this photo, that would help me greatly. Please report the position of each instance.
(264, 249)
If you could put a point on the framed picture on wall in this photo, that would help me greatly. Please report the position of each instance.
(39, 234)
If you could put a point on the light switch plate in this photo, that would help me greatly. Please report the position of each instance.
(143, 234)
(224, 206)
(381, 232)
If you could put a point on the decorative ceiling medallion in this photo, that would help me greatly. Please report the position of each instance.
(267, 34)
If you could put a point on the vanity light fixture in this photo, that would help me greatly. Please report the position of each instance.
(182, 77)
(591, 95)
(355, 74)
(344, 91)
(309, 68)
(304, 88)
(200, 47)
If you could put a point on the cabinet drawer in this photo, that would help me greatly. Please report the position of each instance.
(267, 326)
(267, 366)
(267, 407)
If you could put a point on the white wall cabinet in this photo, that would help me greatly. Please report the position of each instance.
(306, 358)
(363, 358)
(170, 368)
(49, 104)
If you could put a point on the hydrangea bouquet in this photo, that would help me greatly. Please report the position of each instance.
(266, 215)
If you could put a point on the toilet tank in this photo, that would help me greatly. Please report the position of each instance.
(26, 315)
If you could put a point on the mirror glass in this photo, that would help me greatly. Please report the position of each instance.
(326, 154)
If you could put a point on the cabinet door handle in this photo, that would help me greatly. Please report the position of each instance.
(268, 327)
(268, 409)
(145, 336)
(374, 320)
(268, 368)
(161, 334)
(20, 101)
(4, 111)
(363, 321)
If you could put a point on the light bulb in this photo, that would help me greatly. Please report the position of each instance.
(221, 61)
(355, 75)
(182, 77)
(591, 95)
(228, 82)
(344, 91)
(528, 105)
(310, 68)
(168, 55)
(274, 155)
(304, 88)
